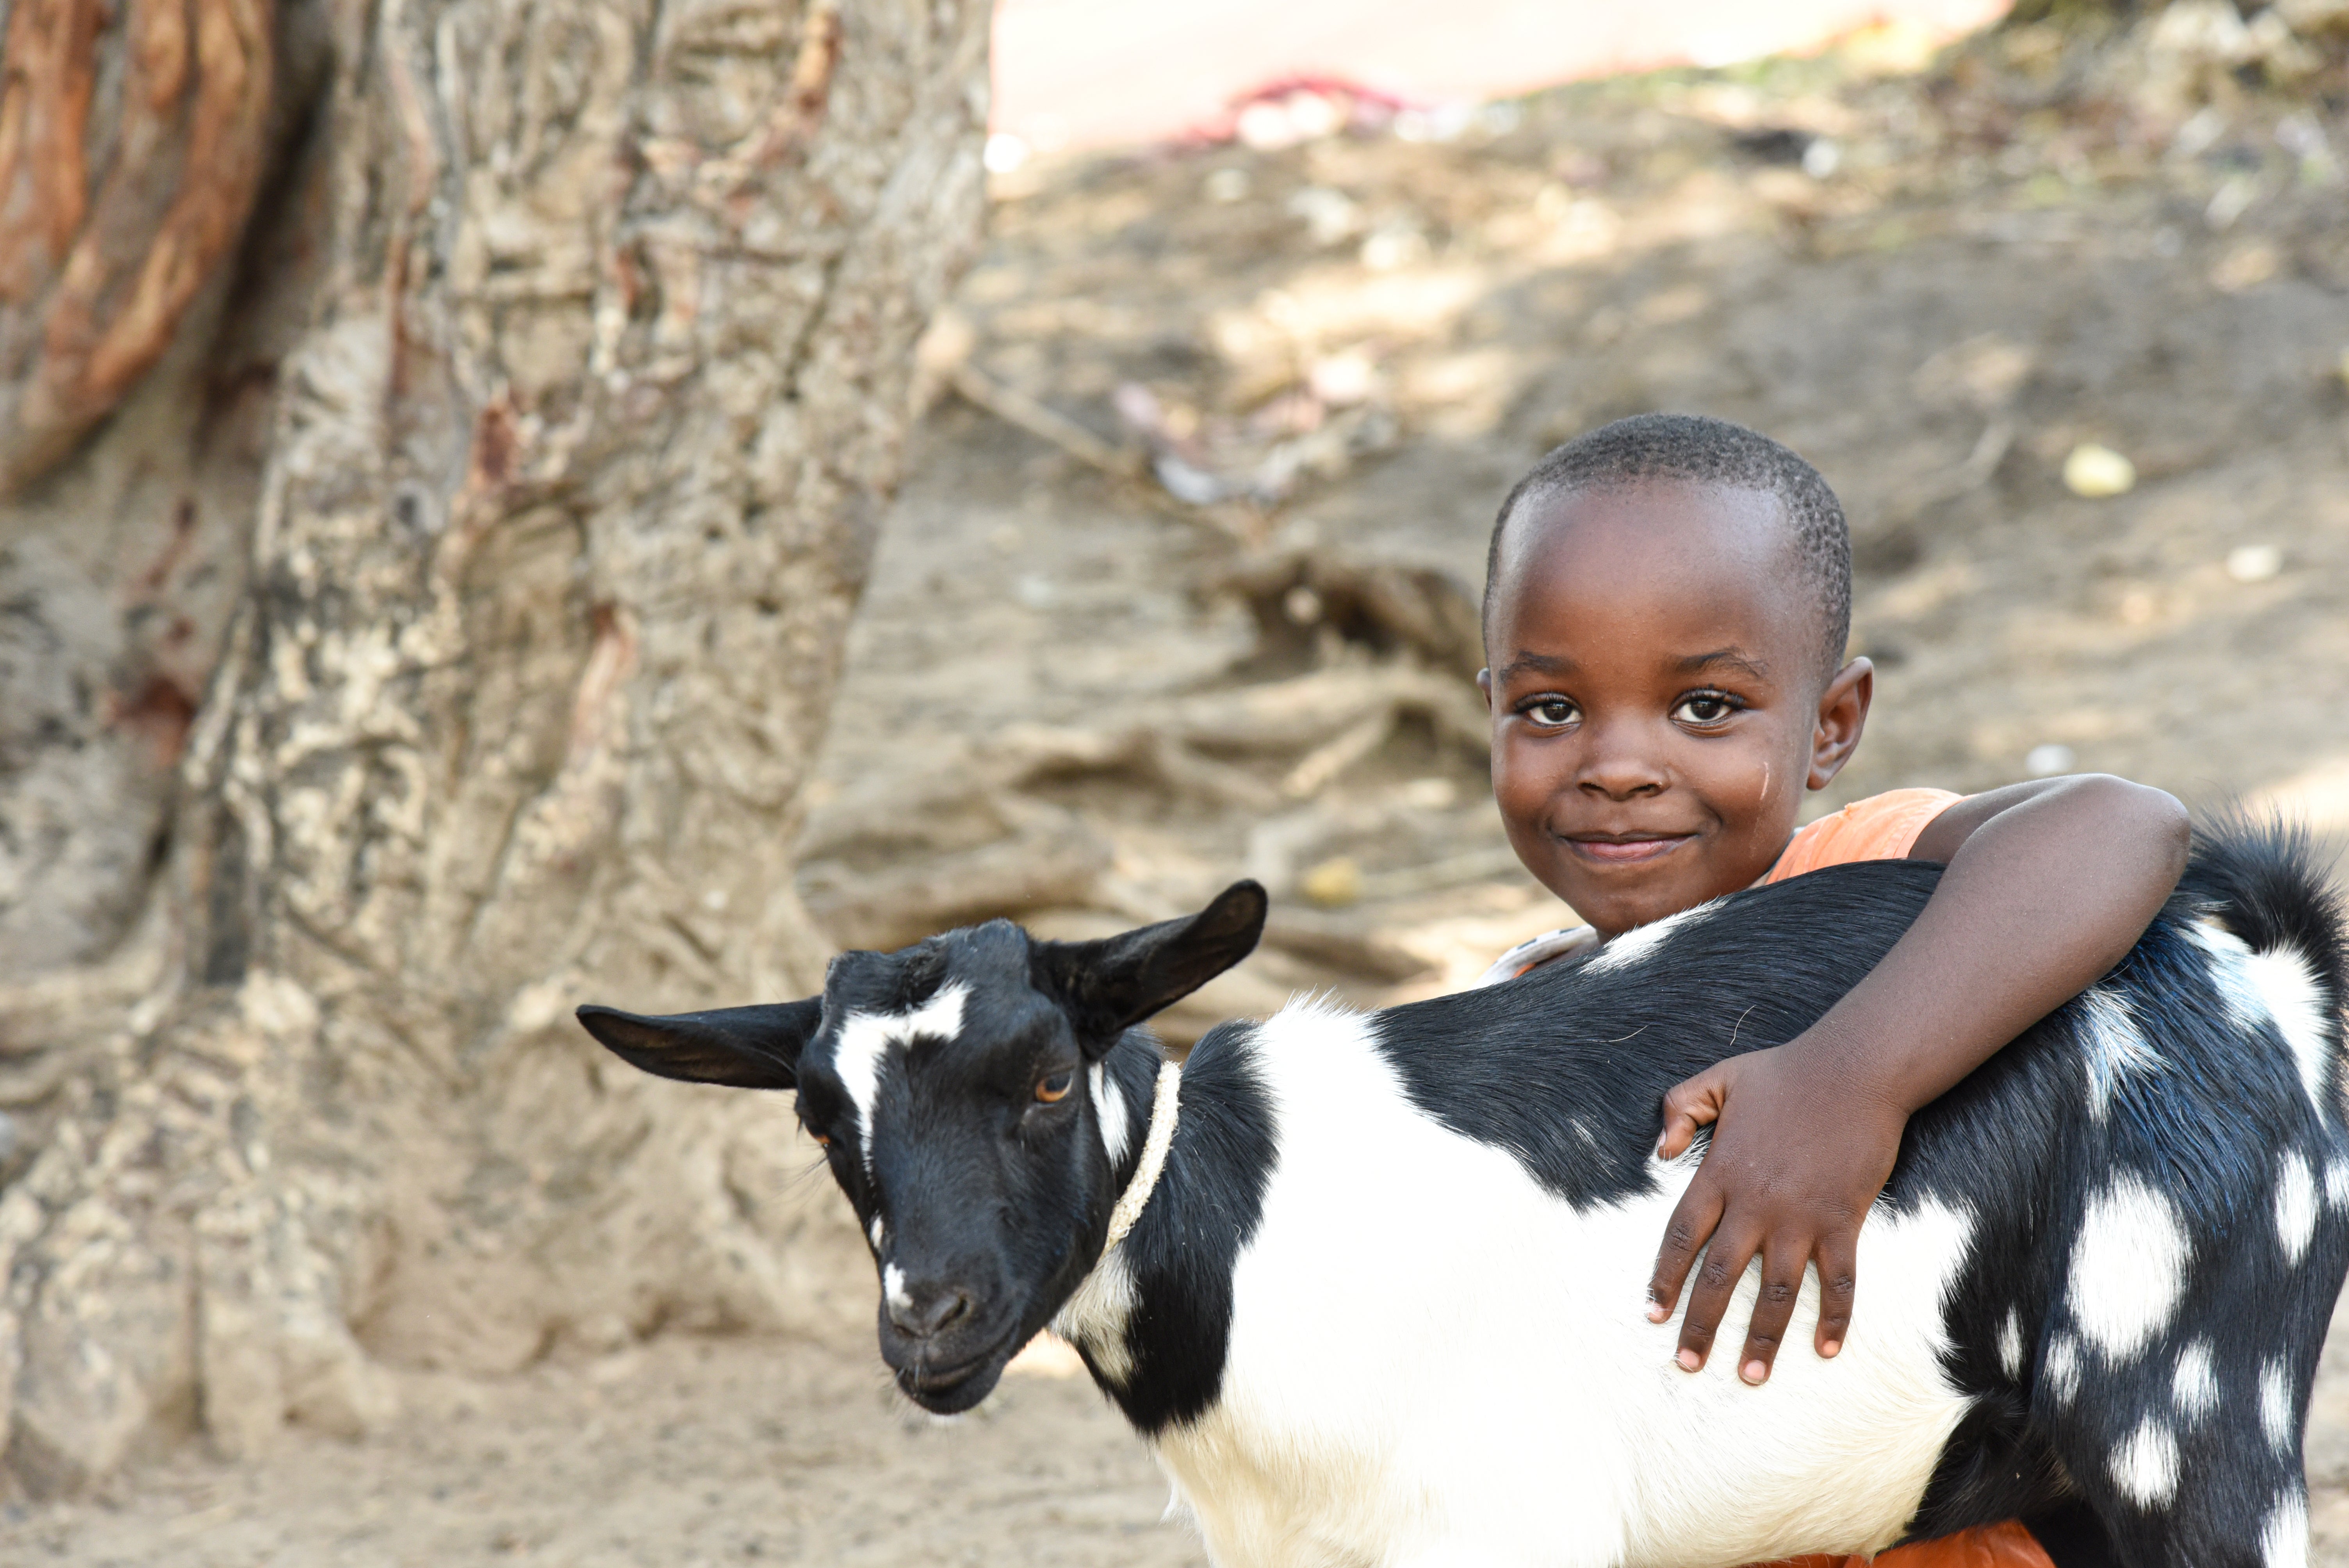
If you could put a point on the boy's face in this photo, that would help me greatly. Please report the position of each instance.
(1656, 692)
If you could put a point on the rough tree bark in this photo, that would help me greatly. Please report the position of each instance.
(418, 608)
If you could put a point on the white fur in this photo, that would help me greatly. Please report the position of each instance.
(1095, 1318)
(2062, 1368)
(2116, 1046)
(893, 1288)
(2195, 1389)
(2277, 985)
(2295, 1207)
(2285, 981)
(877, 1231)
(2128, 1266)
(1435, 1361)
(1109, 1109)
(864, 1043)
(1640, 942)
(2145, 1465)
(2010, 1345)
(2283, 1540)
(2337, 1184)
(2275, 1406)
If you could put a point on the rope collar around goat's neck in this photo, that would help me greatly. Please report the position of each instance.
(1156, 1141)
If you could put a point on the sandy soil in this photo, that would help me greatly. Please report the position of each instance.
(1374, 338)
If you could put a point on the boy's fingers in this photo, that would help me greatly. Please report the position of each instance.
(1774, 1309)
(1716, 1280)
(1839, 1284)
(1693, 1221)
(1688, 1105)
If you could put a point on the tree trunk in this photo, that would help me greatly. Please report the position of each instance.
(503, 491)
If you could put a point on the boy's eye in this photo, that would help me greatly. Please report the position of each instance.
(1705, 708)
(1552, 712)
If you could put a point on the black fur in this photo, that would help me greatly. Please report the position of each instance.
(1183, 1250)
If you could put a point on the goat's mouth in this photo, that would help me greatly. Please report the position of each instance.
(950, 1388)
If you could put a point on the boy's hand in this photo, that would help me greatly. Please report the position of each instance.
(1790, 1175)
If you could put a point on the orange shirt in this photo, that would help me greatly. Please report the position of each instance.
(1881, 828)
(1885, 828)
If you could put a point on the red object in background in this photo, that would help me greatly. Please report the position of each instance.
(1102, 73)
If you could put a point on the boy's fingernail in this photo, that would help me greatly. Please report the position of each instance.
(1831, 1347)
(1756, 1373)
(1658, 1312)
(1690, 1360)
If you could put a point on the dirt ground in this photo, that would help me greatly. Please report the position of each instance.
(1165, 603)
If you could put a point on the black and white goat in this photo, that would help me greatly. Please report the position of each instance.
(1372, 1284)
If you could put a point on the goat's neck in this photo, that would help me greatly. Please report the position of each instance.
(1162, 1363)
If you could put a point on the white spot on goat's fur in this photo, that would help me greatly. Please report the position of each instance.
(864, 1045)
(1109, 1109)
(2282, 977)
(2196, 1386)
(2145, 1465)
(1640, 942)
(876, 1232)
(2129, 1267)
(1094, 1317)
(2062, 1369)
(2275, 1406)
(2115, 1045)
(2283, 1538)
(2275, 986)
(2295, 1207)
(2009, 1343)
(893, 1288)
(2337, 1184)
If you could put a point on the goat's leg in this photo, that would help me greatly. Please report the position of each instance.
(2072, 1536)
(2185, 1458)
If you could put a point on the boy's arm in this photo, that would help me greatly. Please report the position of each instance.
(2049, 884)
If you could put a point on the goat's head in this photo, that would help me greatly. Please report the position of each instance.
(957, 1088)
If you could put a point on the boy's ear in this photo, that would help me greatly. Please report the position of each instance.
(1843, 714)
(1109, 986)
(741, 1048)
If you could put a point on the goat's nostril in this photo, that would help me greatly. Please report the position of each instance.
(929, 1312)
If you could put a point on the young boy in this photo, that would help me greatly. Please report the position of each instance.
(1667, 604)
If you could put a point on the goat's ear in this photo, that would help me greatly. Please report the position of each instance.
(741, 1048)
(1110, 985)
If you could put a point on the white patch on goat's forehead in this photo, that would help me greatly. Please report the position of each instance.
(2275, 1406)
(2115, 1045)
(1640, 942)
(865, 1041)
(2195, 1388)
(2295, 1207)
(2283, 1538)
(2128, 1266)
(2145, 1464)
(1109, 1110)
(2009, 1343)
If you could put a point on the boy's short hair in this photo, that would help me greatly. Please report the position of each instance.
(1694, 450)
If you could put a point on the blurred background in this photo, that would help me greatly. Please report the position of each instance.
(1179, 585)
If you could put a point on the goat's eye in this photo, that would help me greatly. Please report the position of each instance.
(1052, 1090)
(822, 1141)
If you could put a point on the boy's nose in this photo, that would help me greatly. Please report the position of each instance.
(1620, 776)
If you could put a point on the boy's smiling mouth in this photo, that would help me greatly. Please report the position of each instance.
(1621, 849)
